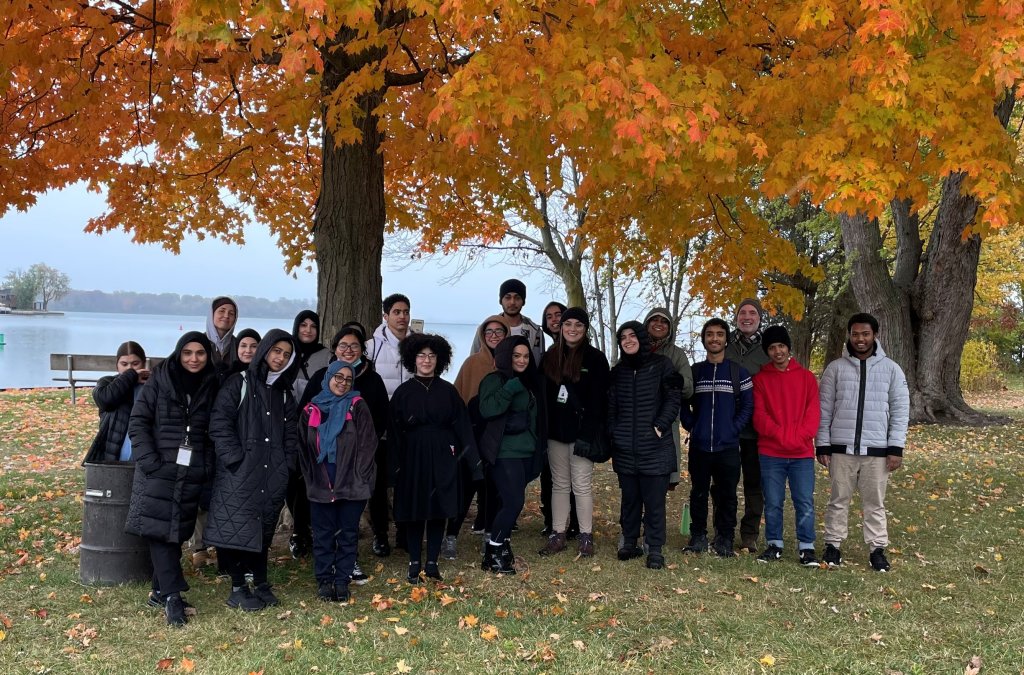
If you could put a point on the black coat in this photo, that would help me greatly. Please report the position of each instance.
(355, 468)
(644, 394)
(114, 396)
(580, 417)
(165, 494)
(430, 436)
(256, 443)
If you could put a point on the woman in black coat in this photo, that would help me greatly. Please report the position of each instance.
(174, 459)
(254, 430)
(114, 396)
(431, 435)
(643, 400)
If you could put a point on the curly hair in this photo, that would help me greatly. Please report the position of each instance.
(416, 342)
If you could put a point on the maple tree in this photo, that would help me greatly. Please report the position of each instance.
(329, 120)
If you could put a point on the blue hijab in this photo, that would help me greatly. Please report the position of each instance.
(334, 408)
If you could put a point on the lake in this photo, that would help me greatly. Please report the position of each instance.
(29, 340)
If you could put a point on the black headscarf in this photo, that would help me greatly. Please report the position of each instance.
(304, 350)
(503, 361)
(633, 360)
(186, 383)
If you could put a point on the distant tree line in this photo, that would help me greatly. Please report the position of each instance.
(128, 302)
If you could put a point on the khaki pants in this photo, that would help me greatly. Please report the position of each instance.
(868, 476)
(569, 472)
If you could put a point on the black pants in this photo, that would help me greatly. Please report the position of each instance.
(380, 510)
(643, 497)
(237, 563)
(414, 533)
(486, 503)
(545, 499)
(753, 498)
(510, 482)
(298, 504)
(716, 474)
(167, 575)
(335, 539)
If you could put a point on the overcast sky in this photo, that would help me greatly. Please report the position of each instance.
(52, 232)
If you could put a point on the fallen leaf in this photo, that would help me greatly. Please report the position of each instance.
(326, 620)
(876, 638)
(447, 600)
(187, 665)
(352, 628)
(164, 664)
(418, 593)
(980, 569)
(580, 645)
(86, 598)
(489, 632)
(401, 630)
(973, 666)
(767, 660)
(468, 621)
(284, 615)
(402, 667)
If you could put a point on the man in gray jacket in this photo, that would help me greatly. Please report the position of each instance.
(865, 410)
(745, 349)
(661, 329)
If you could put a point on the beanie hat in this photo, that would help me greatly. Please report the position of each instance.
(512, 286)
(222, 300)
(753, 302)
(773, 335)
(577, 313)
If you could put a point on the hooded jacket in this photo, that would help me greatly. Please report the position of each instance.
(165, 494)
(511, 406)
(865, 406)
(256, 442)
(480, 363)
(786, 411)
(645, 393)
(528, 329)
(669, 349)
(382, 349)
(114, 396)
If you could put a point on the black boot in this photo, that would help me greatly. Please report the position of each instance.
(507, 558)
(491, 561)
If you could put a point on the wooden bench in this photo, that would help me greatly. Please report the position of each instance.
(71, 364)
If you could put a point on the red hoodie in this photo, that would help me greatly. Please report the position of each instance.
(786, 411)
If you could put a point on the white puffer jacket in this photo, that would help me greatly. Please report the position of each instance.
(874, 425)
(382, 349)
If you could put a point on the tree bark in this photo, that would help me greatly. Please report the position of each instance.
(349, 221)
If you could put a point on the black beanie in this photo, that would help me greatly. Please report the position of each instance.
(512, 286)
(773, 335)
(577, 313)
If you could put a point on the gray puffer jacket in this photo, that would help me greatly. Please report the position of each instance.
(865, 406)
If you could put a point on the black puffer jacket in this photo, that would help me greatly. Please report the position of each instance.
(256, 442)
(645, 393)
(165, 494)
(114, 396)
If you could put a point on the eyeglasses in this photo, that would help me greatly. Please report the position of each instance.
(345, 347)
(427, 357)
(500, 332)
(341, 379)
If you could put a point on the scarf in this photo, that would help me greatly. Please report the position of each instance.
(334, 408)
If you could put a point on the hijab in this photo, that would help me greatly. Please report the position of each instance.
(186, 383)
(335, 408)
(218, 341)
(306, 349)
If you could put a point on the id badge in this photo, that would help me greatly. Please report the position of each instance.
(563, 394)
(184, 455)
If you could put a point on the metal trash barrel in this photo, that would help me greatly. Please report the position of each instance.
(109, 556)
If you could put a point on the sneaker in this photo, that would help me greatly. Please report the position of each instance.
(655, 561)
(832, 557)
(358, 577)
(770, 554)
(555, 544)
(325, 591)
(723, 548)
(264, 593)
(381, 547)
(341, 593)
(433, 572)
(807, 558)
(298, 547)
(450, 547)
(585, 545)
(628, 552)
(698, 544)
(244, 599)
(879, 562)
(174, 610)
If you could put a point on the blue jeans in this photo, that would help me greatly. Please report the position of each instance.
(775, 471)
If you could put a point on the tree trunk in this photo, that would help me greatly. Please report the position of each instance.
(843, 307)
(349, 221)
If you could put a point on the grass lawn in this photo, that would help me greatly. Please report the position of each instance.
(956, 589)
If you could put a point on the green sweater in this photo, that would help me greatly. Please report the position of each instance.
(498, 397)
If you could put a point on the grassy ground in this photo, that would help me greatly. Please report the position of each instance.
(956, 589)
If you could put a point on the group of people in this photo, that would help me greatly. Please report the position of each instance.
(233, 426)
